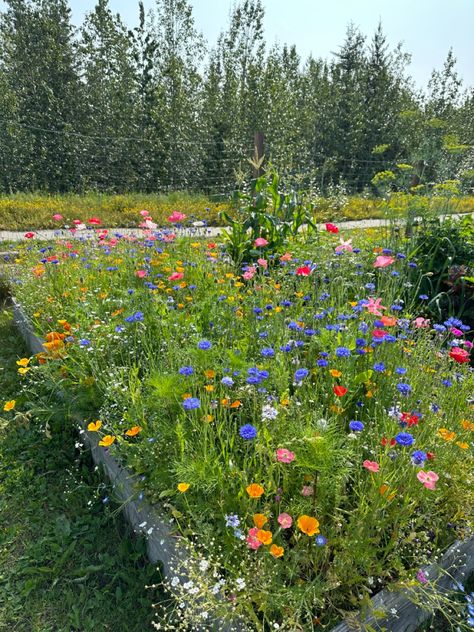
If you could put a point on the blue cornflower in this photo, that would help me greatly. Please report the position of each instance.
(285, 348)
(419, 457)
(248, 432)
(361, 342)
(268, 352)
(404, 389)
(300, 374)
(232, 520)
(84, 342)
(320, 540)
(379, 367)
(204, 345)
(447, 383)
(227, 381)
(404, 438)
(186, 370)
(400, 370)
(356, 426)
(322, 363)
(343, 352)
(423, 297)
(191, 403)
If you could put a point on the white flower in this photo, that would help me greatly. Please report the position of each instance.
(175, 582)
(269, 413)
(203, 565)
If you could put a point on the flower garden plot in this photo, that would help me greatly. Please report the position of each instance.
(305, 425)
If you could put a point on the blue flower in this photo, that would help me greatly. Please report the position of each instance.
(232, 520)
(268, 352)
(204, 345)
(419, 457)
(227, 381)
(320, 540)
(300, 374)
(400, 370)
(186, 370)
(84, 342)
(356, 426)
(423, 297)
(248, 432)
(343, 352)
(379, 367)
(404, 389)
(404, 438)
(322, 363)
(191, 403)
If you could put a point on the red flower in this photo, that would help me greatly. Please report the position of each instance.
(385, 441)
(459, 355)
(379, 333)
(29, 235)
(303, 271)
(340, 391)
(332, 228)
(95, 220)
(430, 456)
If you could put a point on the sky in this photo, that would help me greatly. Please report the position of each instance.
(427, 28)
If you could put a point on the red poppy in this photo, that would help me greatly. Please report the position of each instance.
(29, 235)
(303, 271)
(459, 355)
(332, 228)
(95, 220)
(340, 391)
(385, 441)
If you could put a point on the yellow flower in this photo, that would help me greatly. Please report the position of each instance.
(23, 362)
(107, 440)
(467, 425)
(183, 487)
(254, 490)
(462, 445)
(335, 373)
(276, 551)
(94, 426)
(10, 405)
(132, 432)
(308, 525)
(446, 434)
(24, 369)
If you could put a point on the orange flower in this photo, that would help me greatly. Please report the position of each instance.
(389, 321)
(254, 490)
(183, 487)
(259, 520)
(132, 432)
(107, 440)
(276, 551)
(462, 445)
(308, 525)
(54, 335)
(10, 405)
(446, 434)
(94, 426)
(210, 374)
(467, 425)
(265, 537)
(235, 404)
(335, 373)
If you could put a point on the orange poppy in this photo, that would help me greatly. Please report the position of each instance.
(308, 525)
(254, 490)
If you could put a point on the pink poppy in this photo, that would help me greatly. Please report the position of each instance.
(176, 216)
(263, 263)
(58, 217)
(141, 274)
(332, 228)
(459, 355)
(344, 245)
(285, 520)
(428, 479)
(249, 273)
(372, 466)
(285, 456)
(303, 271)
(286, 257)
(383, 261)
(374, 306)
(148, 224)
(421, 323)
(176, 276)
(260, 242)
(252, 541)
(144, 213)
(29, 235)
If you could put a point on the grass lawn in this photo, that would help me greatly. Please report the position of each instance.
(67, 560)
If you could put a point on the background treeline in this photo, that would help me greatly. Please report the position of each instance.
(155, 108)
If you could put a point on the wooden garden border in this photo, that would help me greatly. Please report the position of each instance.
(402, 615)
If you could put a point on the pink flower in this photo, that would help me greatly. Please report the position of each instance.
(144, 213)
(456, 332)
(263, 263)
(58, 217)
(332, 228)
(344, 245)
(285, 520)
(252, 541)
(373, 306)
(249, 273)
(379, 333)
(260, 242)
(284, 456)
(141, 274)
(372, 466)
(176, 276)
(421, 323)
(76, 221)
(428, 479)
(176, 216)
(29, 235)
(148, 224)
(383, 261)
(307, 490)
(168, 238)
(303, 271)
(286, 257)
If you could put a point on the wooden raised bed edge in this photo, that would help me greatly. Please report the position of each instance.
(401, 614)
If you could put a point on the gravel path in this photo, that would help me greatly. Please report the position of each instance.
(48, 235)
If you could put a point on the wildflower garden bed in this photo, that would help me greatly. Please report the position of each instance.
(302, 419)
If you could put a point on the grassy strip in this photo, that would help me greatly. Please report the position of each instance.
(24, 211)
(67, 560)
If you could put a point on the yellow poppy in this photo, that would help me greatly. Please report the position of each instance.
(107, 440)
(132, 432)
(23, 362)
(335, 373)
(10, 405)
(183, 487)
(94, 426)
(24, 369)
